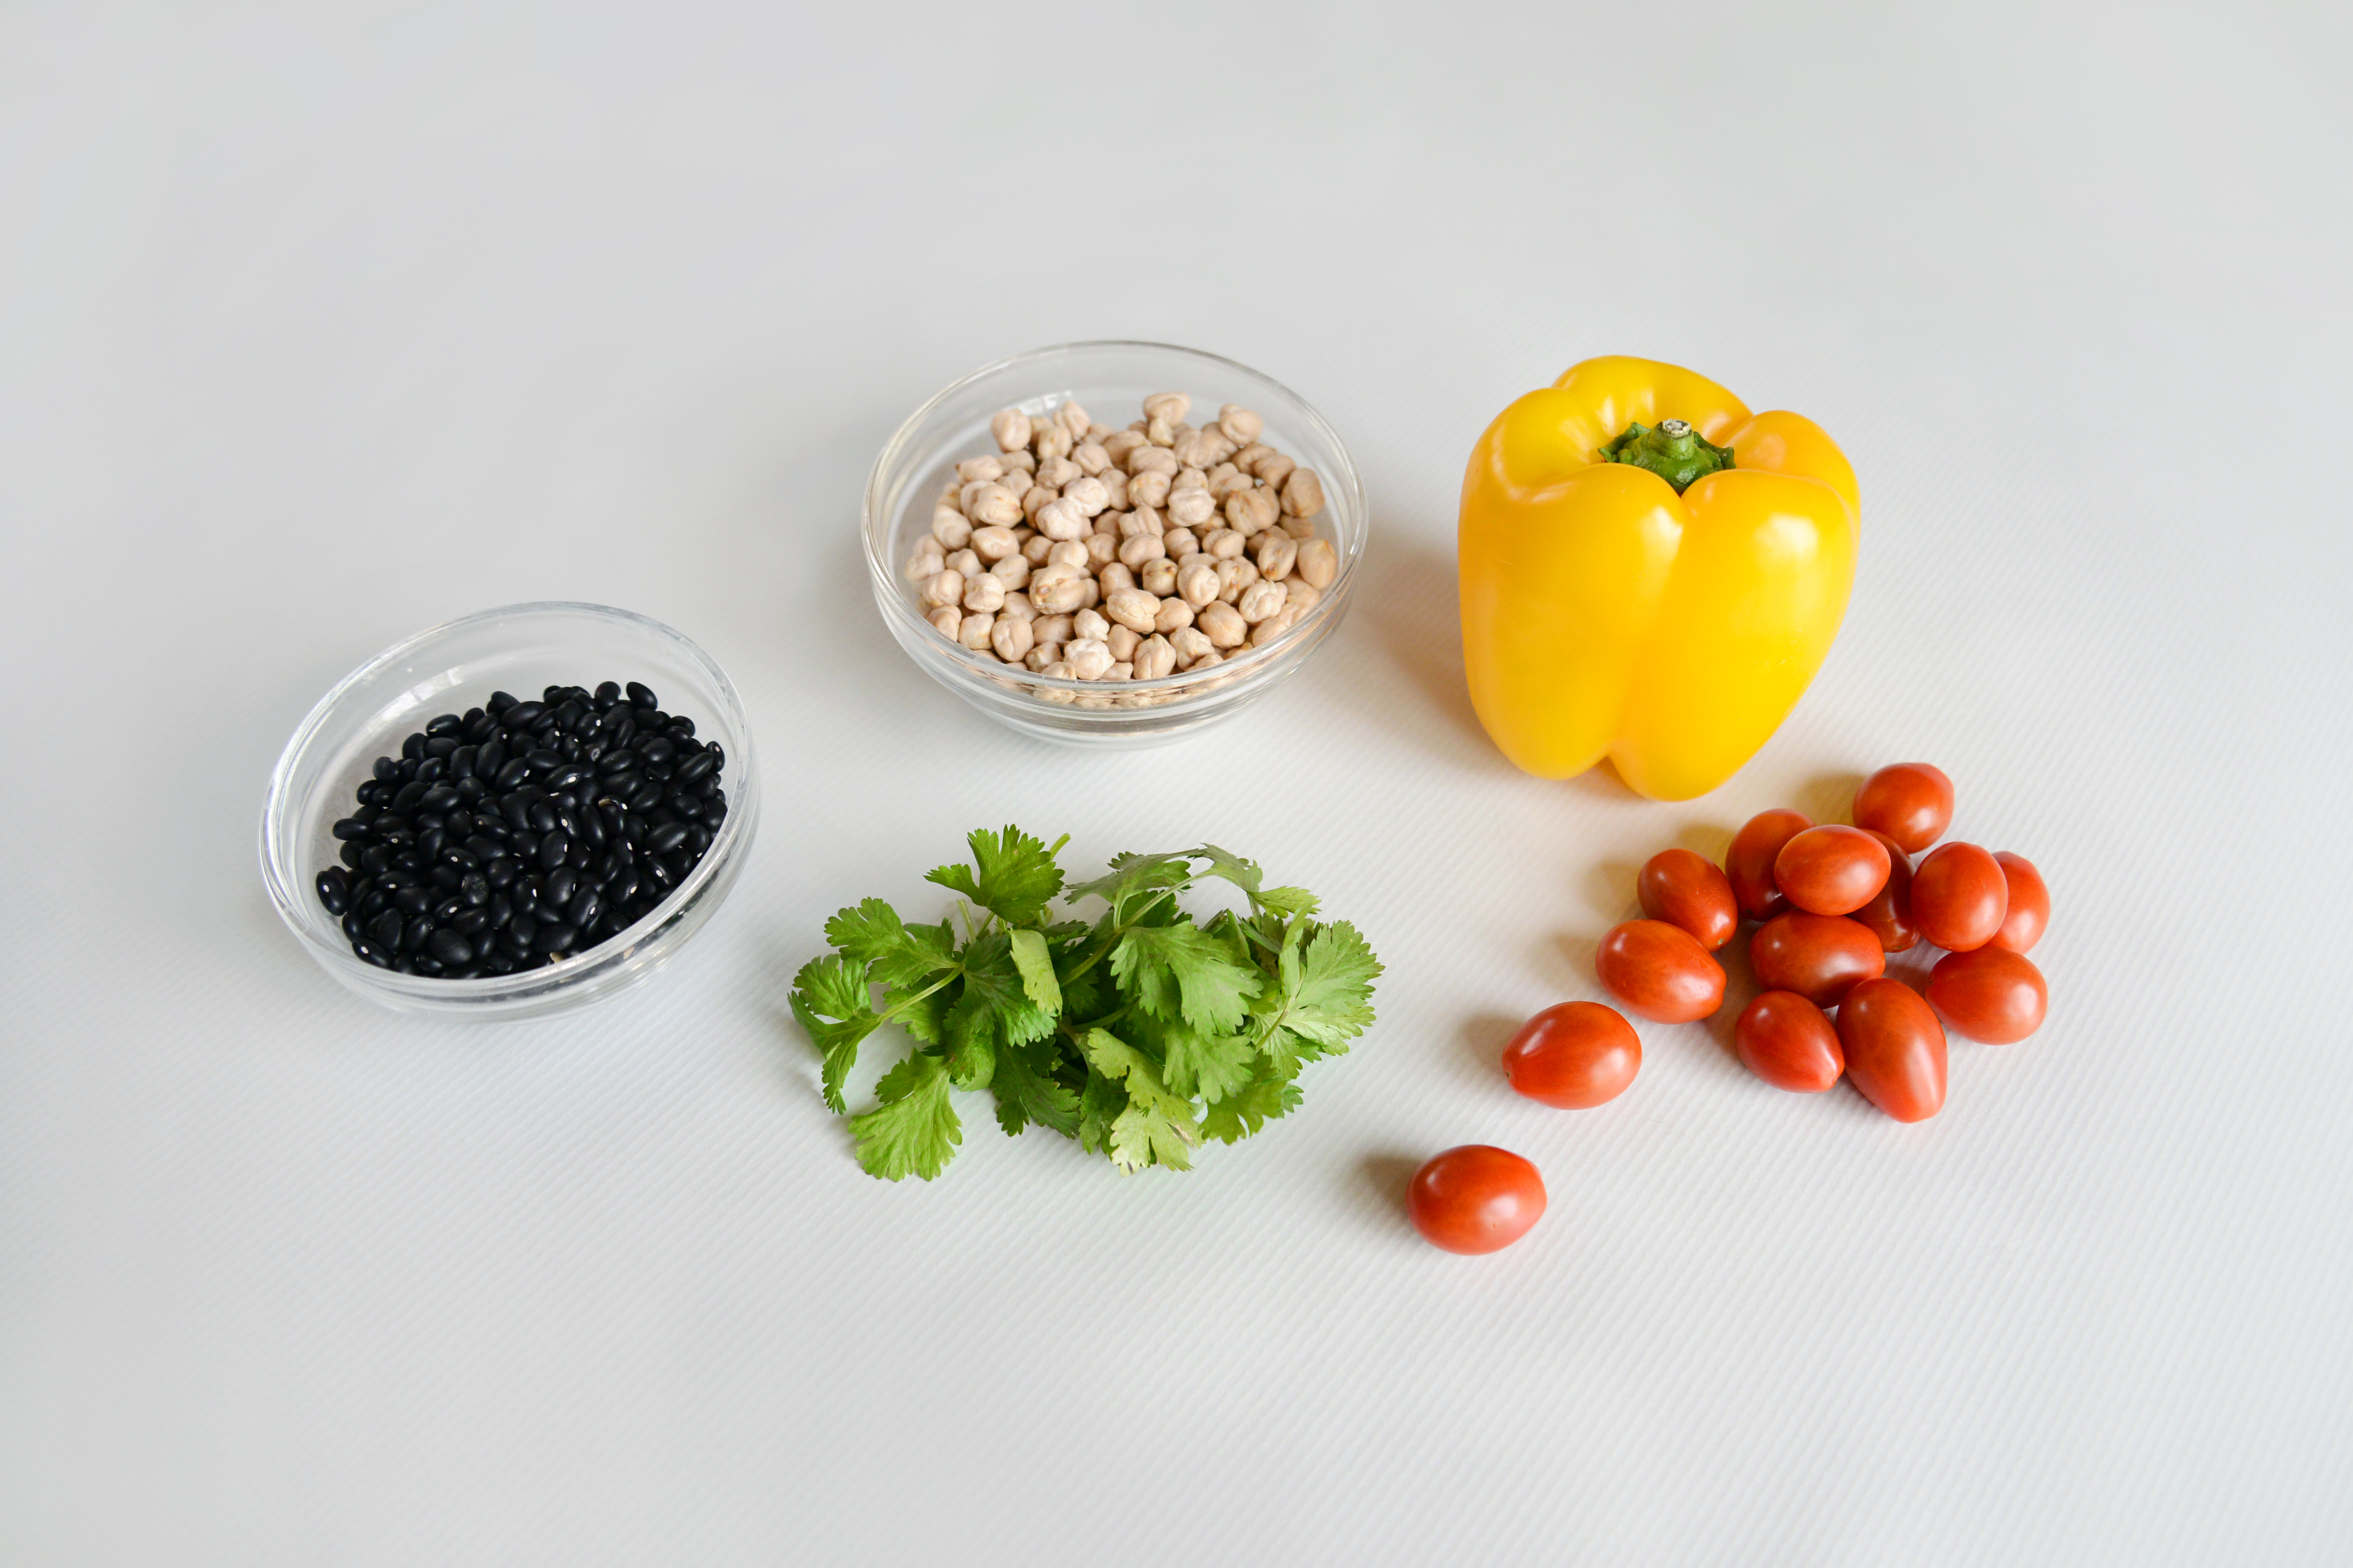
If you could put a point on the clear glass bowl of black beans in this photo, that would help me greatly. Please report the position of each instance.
(513, 814)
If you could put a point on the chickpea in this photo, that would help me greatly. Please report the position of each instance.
(989, 501)
(1303, 493)
(1223, 544)
(1170, 406)
(1133, 607)
(1074, 419)
(972, 468)
(1011, 428)
(1013, 572)
(1116, 578)
(1017, 607)
(1050, 440)
(1191, 508)
(964, 562)
(1190, 644)
(1181, 542)
(1056, 472)
(983, 594)
(1273, 627)
(928, 561)
(1058, 590)
(948, 618)
(1196, 583)
(1143, 519)
(1088, 625)
(1148, 489)
(1101, 549)
(1035, 549)
(1154, 658)
(1011, 638)
(950, 528)
(1318, 563)
(1174, 615)
(1088, 658)
(1059, 520)
(1223, 625)
(1053, 628)
(1157, 578)
(1138, 552)
(1234, 576)
(1260, 601)
(1277, 553)
(993, 543)
(1121, 642)
(1088, 495)
(1149, 459)
(945, 587)
(1273, 469)
(1114, 484)
(974, 632)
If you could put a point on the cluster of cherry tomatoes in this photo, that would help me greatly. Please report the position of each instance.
(1831, 903)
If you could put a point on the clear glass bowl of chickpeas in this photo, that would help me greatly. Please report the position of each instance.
(1113, 544)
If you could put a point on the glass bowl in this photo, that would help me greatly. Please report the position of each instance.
(1111, 380)
(521, 648)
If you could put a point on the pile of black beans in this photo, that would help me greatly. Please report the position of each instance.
(507, 836)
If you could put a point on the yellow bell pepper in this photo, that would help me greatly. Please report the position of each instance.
(1649, 573)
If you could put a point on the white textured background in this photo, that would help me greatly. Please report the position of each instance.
(321, 324)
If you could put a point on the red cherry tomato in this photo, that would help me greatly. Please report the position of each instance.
(1748, 864)
(1989, 993)
(1895, 1048)
(1687, 890)
(1475, 1199)
(1912, 802)
(1820, 957)
(1960, 896)
(1574, 1055)
(1789, 1042)
(1889, 913)
(2029, 904)
(1659, 971)
(1832, 871)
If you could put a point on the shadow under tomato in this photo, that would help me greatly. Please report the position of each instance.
(1482, 1038)
(1610, 889)
(1383, 1178)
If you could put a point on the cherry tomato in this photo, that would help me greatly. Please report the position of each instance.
(1659, 971)
(1748, 864)
(1832, 871)
(1789, 1042)
(1820, 957)
(1912, 802)
(2029, 904)
(1895, 1048)
(1889, 913)
(1960, 896)
(1475, 1199)
(1687, 890)
(1574, 1055)
(1990, 994)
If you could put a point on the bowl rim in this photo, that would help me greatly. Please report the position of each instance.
(287, 885)
(1029, 685)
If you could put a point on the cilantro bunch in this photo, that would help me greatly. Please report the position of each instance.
(1139, 1035)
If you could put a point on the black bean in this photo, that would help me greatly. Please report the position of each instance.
(625, 784)
(499, 702)
(583, 909)
(386, 928)
(416, 933)
(441, 797)
(471, 922)
(485, 849)
(667, 837)
(444, 875)
(371, 859)
(681, 727)
(588, 823)
(698, 838)
(658, 751)
(449, 946)
(644, 797)
(572, 713)
(696, 766)
(334, 884)
(412, 901)
(499, 964)
(525, 844)
(501, 910)
(355, 926)
(444, 724)
(658, 871)
(421, 963)
(489, 757)
(521, 715)
(463, 760)
(543, 818)
(642, 695)
(414, 746)
(714, 810)
(518, 937)
(430, 843)
(440, 749)
(552, 847)
(556, 938)
(350, 827)
(474, 888)
(502, 871)
(608, 693)
(543, 760)
(372, 954)
(623, 888)
(409, 795)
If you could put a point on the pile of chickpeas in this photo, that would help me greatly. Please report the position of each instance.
(1090, 553)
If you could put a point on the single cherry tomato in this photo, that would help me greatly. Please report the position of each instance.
(1820, 957)
(1960, 896)
(1912, 802)
(1574, 1055)
(1789, 1042)
(2029, 904)
(1989, 993)
(1895, 1048)
(1748, 864)
(1475, 1199)
(1659, 971)
(1832, 871)
(1687, 890)
(1889, 913)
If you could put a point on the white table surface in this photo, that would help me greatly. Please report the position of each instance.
(318, 325)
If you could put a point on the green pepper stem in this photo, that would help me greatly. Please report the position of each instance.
(1670, 449)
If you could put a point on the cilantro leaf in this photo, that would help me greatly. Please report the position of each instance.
(1142, 1136)
(1019, 876)
(914, 1131)
(1182, 971)
(1246, 875)
(994, 987)
(872, 936)
(1332, 1003)
(1133, 874)
(1027, 1093)
(835, 987)
(1099, 1104)
(1037, 968)
(1191, 1063)
(1239, 1115)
